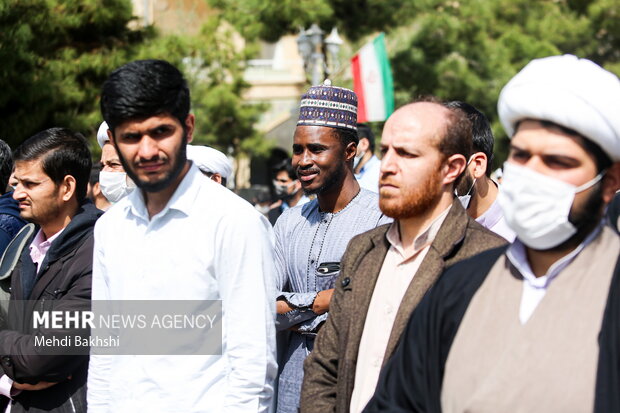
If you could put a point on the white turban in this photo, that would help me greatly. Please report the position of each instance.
(210, 160)
(571, 92)
(102, 134)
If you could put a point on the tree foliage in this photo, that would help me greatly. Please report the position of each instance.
(56, 54)
(465, 50)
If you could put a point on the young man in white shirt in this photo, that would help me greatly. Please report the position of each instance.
(181, 236)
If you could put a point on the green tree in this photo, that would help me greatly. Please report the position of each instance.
(55, 55)
(465, 50)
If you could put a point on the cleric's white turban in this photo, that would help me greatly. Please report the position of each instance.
(102, 134)
(571, 92)
(209, 160)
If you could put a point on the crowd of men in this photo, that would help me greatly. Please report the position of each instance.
(409, 283)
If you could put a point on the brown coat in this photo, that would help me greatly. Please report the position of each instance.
(330, 369)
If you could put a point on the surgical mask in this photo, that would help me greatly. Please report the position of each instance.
(263, 209)
(537, 206)
(115, 185)
(466, 199)
(357, 159)
(282, 190)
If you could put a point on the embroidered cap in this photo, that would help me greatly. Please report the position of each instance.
(331, 106)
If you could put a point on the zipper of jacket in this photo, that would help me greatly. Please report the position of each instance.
(72, 405)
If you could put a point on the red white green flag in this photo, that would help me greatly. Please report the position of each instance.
(372, 81)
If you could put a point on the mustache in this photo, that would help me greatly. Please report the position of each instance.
(154, 159)
(306, 171)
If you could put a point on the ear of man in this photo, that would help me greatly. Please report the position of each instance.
(67, 188)
(478, 165)
(452, 168)
(611, 182)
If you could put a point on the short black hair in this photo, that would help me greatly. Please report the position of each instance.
(144, 88)
(346, 136)
(601, 159)
(6, 166)
(94, 173)
(482, 135)
(62, 152)
(285, 165)
(364, 131)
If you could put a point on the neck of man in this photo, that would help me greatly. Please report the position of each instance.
(485, 193)
(340, 194)
(363, 161)
(60, 222)
(410, 228)
(157, 201)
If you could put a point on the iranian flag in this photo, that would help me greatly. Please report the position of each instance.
(372, 81)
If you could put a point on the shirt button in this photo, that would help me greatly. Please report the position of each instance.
(388, 309)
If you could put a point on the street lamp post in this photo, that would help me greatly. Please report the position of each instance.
(320, 54)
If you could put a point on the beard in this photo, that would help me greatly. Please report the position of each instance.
(163, 183)
(585, 220)
(466, 185)
(412, 201)
(331, 180)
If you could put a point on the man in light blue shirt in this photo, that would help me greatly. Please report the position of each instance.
(366, 165)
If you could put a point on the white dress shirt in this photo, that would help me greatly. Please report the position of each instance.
(206, 244)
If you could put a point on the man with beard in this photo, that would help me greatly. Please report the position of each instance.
(181, 236)
(386, 271)
(534, 326)
(477, 191)
(311, 238)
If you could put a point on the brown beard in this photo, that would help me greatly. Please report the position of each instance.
(413, 202)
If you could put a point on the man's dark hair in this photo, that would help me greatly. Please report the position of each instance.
(601, 159)
(6, 166)
(285, 165)
(94, 173)
(62, 152)
(346, 136)
(364, 131)
(482, 136)
(144, 88)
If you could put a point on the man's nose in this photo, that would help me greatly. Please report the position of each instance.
(388, 163)
(147, 148)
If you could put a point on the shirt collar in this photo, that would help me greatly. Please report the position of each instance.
(424, 239)
(373, 159)
(517, 255)
(39, 245)
(182, 199)
(491, 216)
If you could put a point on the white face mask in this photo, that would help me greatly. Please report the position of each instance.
(537, 206)
(115, 185)
(466, 199)
(263, 209)
(357, 159)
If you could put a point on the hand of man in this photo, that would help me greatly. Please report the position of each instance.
(283, 307)
(321, 302)
(42, 385)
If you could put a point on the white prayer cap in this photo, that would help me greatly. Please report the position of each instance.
(102, 134)
(209, 160)
(571, 92)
